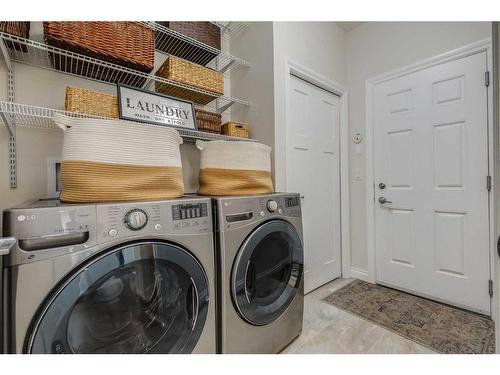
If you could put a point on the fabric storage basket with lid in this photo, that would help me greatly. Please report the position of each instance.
(234, 168)
(116, 160)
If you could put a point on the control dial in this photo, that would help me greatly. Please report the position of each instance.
(136, 219)
(272, 205)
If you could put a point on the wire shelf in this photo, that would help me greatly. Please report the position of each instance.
(30, 52)
(183, 46)
(42, 118)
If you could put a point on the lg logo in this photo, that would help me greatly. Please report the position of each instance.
(23, 217)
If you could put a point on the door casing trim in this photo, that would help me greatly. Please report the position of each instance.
(480, 46)
(293, 68)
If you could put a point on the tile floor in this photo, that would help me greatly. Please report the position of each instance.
(328, 329)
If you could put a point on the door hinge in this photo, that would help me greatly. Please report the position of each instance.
(490, 287)
(488, 182)
(487, 78)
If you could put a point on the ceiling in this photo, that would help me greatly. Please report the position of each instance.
(348, 26)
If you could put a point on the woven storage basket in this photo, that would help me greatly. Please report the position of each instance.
(208, 121)
(91, 102)
(116, 160)
(17, 28)
(197, 76)
(204, 32)
(128, 44)
(235, 129)
(234, 168)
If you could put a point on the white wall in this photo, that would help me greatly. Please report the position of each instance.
(317, 46)
(378, 47)
(255, 84)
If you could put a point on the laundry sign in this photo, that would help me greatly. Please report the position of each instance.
(144, 106)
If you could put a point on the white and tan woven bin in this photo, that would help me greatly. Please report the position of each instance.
(116, 160)
(234, 168)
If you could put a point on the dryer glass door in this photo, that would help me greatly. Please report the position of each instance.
(148, 297)
(267, 272)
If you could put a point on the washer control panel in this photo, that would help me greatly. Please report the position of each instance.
(153, 218)
(189, 211)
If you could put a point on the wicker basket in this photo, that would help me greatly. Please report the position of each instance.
(235, 129)
(91, 102)
(128, 44)
(185, 72)
(208, 121)
(17, 28)
(204, 32)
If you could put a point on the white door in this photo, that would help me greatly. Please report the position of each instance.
(313, 120)
(431, 152)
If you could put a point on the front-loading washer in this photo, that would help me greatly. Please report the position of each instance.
(110, 278)
(260, 267)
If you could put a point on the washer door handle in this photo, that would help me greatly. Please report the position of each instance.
(194, 304)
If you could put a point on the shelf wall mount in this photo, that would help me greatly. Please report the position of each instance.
(9, 119)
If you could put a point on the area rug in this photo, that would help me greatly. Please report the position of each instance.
(440, 327)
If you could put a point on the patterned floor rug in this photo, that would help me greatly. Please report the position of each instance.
(437, 326)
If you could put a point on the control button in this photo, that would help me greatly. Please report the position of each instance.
(272, 205)
(158, 226)
(280, 211)
(136, 219)
(112, 232)
(262, 213)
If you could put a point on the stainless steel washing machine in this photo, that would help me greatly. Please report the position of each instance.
(260, 268)
(110, 278)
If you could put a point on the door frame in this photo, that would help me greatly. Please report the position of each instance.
(280, 146)
(465, 51)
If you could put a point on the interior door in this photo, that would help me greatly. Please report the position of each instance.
(149, 297)
(313, 120)
(431, 196)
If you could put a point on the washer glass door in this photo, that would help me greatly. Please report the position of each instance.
(267, 272)
(148, 297)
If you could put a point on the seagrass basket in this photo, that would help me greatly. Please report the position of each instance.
(186, 73)
(235, 129)
(91, 102)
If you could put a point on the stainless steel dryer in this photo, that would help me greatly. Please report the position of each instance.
(110, 278)
(260, 258)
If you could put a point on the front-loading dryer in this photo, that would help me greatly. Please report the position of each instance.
(260, 268)
(110, 278)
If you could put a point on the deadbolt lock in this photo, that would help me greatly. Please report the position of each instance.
(381, 186)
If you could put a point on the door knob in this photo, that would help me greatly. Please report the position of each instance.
(383, 200)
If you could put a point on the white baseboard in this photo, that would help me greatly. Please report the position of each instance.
(360, 274)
